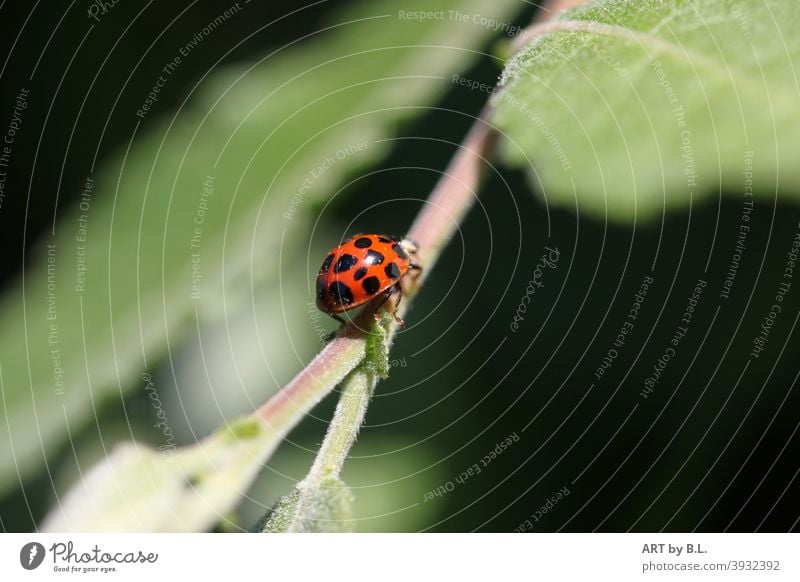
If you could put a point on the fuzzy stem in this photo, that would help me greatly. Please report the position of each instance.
(344, 426)
(541, 24)
(453, 196)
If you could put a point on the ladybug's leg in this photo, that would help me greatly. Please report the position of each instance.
(396, 305)
(386, 295)
(337, 318)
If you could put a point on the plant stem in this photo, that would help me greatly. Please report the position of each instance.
(344, 427)
(453, 195)
(541, 25)
(553, 7)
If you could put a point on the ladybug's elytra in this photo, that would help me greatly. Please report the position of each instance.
(362, 268)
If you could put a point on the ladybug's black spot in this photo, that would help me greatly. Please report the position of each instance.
(320, 289)
(371, 285)
(359, 274)
(340, 293)
(400, 251)
(373, 258)
(392, 270)
(385, 239)
(326, 264)
(363, 242)
(345, 263)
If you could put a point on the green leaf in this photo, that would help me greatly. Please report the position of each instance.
(136, 488)
(326, 506)
(628, 107)
(200, 205)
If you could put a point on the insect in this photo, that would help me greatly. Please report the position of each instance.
(362, 268)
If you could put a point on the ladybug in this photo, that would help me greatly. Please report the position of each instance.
(362, 268)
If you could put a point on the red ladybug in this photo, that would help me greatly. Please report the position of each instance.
(362, 268)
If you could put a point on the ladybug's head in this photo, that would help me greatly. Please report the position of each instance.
(409, 246)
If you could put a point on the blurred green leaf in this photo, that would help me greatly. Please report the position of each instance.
(136, 488)
(199, 206)
(625, 108)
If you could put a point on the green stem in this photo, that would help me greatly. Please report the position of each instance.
(344, 427)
